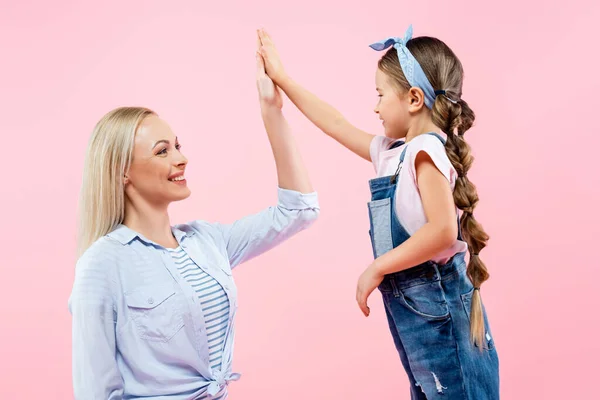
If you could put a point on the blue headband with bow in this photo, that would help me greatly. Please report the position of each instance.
(410, 66)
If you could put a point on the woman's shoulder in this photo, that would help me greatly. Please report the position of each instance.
(102, 253)
(201, 229)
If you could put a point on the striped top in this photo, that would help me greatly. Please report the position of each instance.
(214, 302)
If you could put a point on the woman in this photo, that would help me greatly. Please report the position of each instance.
(153, 305)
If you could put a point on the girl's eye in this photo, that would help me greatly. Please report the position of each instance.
(178, 146)
(163, 151)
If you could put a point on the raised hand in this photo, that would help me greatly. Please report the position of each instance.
(272, 61)
(268, 93)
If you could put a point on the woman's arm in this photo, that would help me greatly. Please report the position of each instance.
(95, 373)
(323, 115)
(291, 172)
(297, 206)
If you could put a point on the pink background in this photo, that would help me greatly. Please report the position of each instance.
(531, 78)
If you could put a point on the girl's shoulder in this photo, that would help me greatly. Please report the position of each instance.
(427, 142)
(435, 149)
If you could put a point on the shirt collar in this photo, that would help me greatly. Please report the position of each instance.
(125, 235)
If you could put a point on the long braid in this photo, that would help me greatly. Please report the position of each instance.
(455, 119)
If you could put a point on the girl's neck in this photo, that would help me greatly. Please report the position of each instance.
(421, 126)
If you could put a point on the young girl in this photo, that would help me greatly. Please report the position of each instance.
(432, 298)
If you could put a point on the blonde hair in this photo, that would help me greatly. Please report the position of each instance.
(108, 157)
(445, 72)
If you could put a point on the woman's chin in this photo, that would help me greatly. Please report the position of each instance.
(182, 195)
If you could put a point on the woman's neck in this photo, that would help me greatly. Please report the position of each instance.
(152, 221)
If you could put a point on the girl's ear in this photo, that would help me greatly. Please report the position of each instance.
(416, 99)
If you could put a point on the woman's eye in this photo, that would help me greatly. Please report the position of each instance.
(163, 151)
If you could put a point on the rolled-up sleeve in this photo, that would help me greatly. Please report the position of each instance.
(255, 234)
(95, 373)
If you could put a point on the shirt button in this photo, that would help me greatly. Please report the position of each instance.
(150, 300)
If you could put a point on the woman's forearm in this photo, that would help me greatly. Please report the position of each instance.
(291, 171)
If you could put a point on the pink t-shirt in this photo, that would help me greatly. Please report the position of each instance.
(409, 206)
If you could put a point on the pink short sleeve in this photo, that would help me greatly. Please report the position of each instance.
(379, 144)
(436, 150)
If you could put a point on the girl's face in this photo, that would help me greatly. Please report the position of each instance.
(156, 174)
(392, 107)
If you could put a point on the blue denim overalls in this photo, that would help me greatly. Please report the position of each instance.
(428, 310)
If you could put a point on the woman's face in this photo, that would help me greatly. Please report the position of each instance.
(157, 171)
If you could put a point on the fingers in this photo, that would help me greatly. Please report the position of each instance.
(258, 39)
(266, 37)
(260, 44)
(361, 299)
(263, 36)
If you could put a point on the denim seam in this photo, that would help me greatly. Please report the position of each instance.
(462, 374)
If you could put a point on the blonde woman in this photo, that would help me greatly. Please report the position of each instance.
(153, 305)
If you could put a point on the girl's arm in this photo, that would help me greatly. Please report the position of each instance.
(441, 229)
(439, 233)
(323, 115)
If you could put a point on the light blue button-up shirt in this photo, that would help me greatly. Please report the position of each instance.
(138, 327)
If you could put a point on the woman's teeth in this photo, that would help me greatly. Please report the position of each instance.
(179, 178)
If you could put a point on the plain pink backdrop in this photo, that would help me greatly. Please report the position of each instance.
(531, 77)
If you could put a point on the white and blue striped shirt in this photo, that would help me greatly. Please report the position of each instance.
(147, 325)
(213, 300)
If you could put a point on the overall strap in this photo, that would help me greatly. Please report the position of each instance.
(403, 154)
